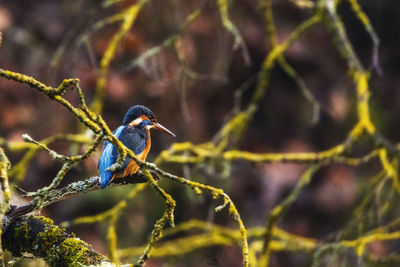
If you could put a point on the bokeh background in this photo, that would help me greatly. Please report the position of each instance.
(192, 88)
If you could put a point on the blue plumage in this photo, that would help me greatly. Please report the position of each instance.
(132, 138)
(135, 112)
(135, 136)
(109, 156)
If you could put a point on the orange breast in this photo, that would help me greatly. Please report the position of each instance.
(132, 167)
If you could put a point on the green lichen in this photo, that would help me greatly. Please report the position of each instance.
(22, 231)
(45, 220)
(39, 236)
(47, 238)
(60, 249)
(76, 252)
(45, 244)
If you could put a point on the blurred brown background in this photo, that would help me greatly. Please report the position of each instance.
(41, 39)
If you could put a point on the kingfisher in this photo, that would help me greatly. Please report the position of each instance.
(134, 133)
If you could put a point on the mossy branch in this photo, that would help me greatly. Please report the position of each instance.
(223, 6)
(128, 18)
(71, 190)
(17, 172)
(40, 237)
(114, 211)
(371, 31)
(98, 125)
(216, 235)
(267, 239)
(170, 41)
(236, 127)
(278, 211)
(271, 31)
(5, 203)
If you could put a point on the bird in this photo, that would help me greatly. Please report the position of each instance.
(134, 133)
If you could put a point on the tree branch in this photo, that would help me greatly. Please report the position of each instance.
(39, 236)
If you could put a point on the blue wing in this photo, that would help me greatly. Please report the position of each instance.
(109, 156)
(134, 140)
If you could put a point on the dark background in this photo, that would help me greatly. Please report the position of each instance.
(34, 32)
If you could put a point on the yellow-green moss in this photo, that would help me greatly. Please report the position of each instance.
(46, 220)
(22, 231)
(61, 249)
(46, 240)
(76, 251)
(45, 244)
(39, 236)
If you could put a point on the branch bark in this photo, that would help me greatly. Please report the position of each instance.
(40, 237)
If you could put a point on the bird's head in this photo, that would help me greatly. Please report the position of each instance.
(140, 116)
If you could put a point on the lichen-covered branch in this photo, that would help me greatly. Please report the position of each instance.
(280, 209)
(170, 41)
(215, 235)
(66, 250)
(167, 218)
(71, 190)
(223, 6)
(40, 237)
(271, 31)
(114, 211)
(97, 125)
(236, 127)
(17, 172)
(5, 202)
(371, 31)
(128, 17)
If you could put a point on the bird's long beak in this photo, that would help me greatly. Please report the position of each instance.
(163, 129)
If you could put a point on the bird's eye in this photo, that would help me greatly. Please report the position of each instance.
(143, 124)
